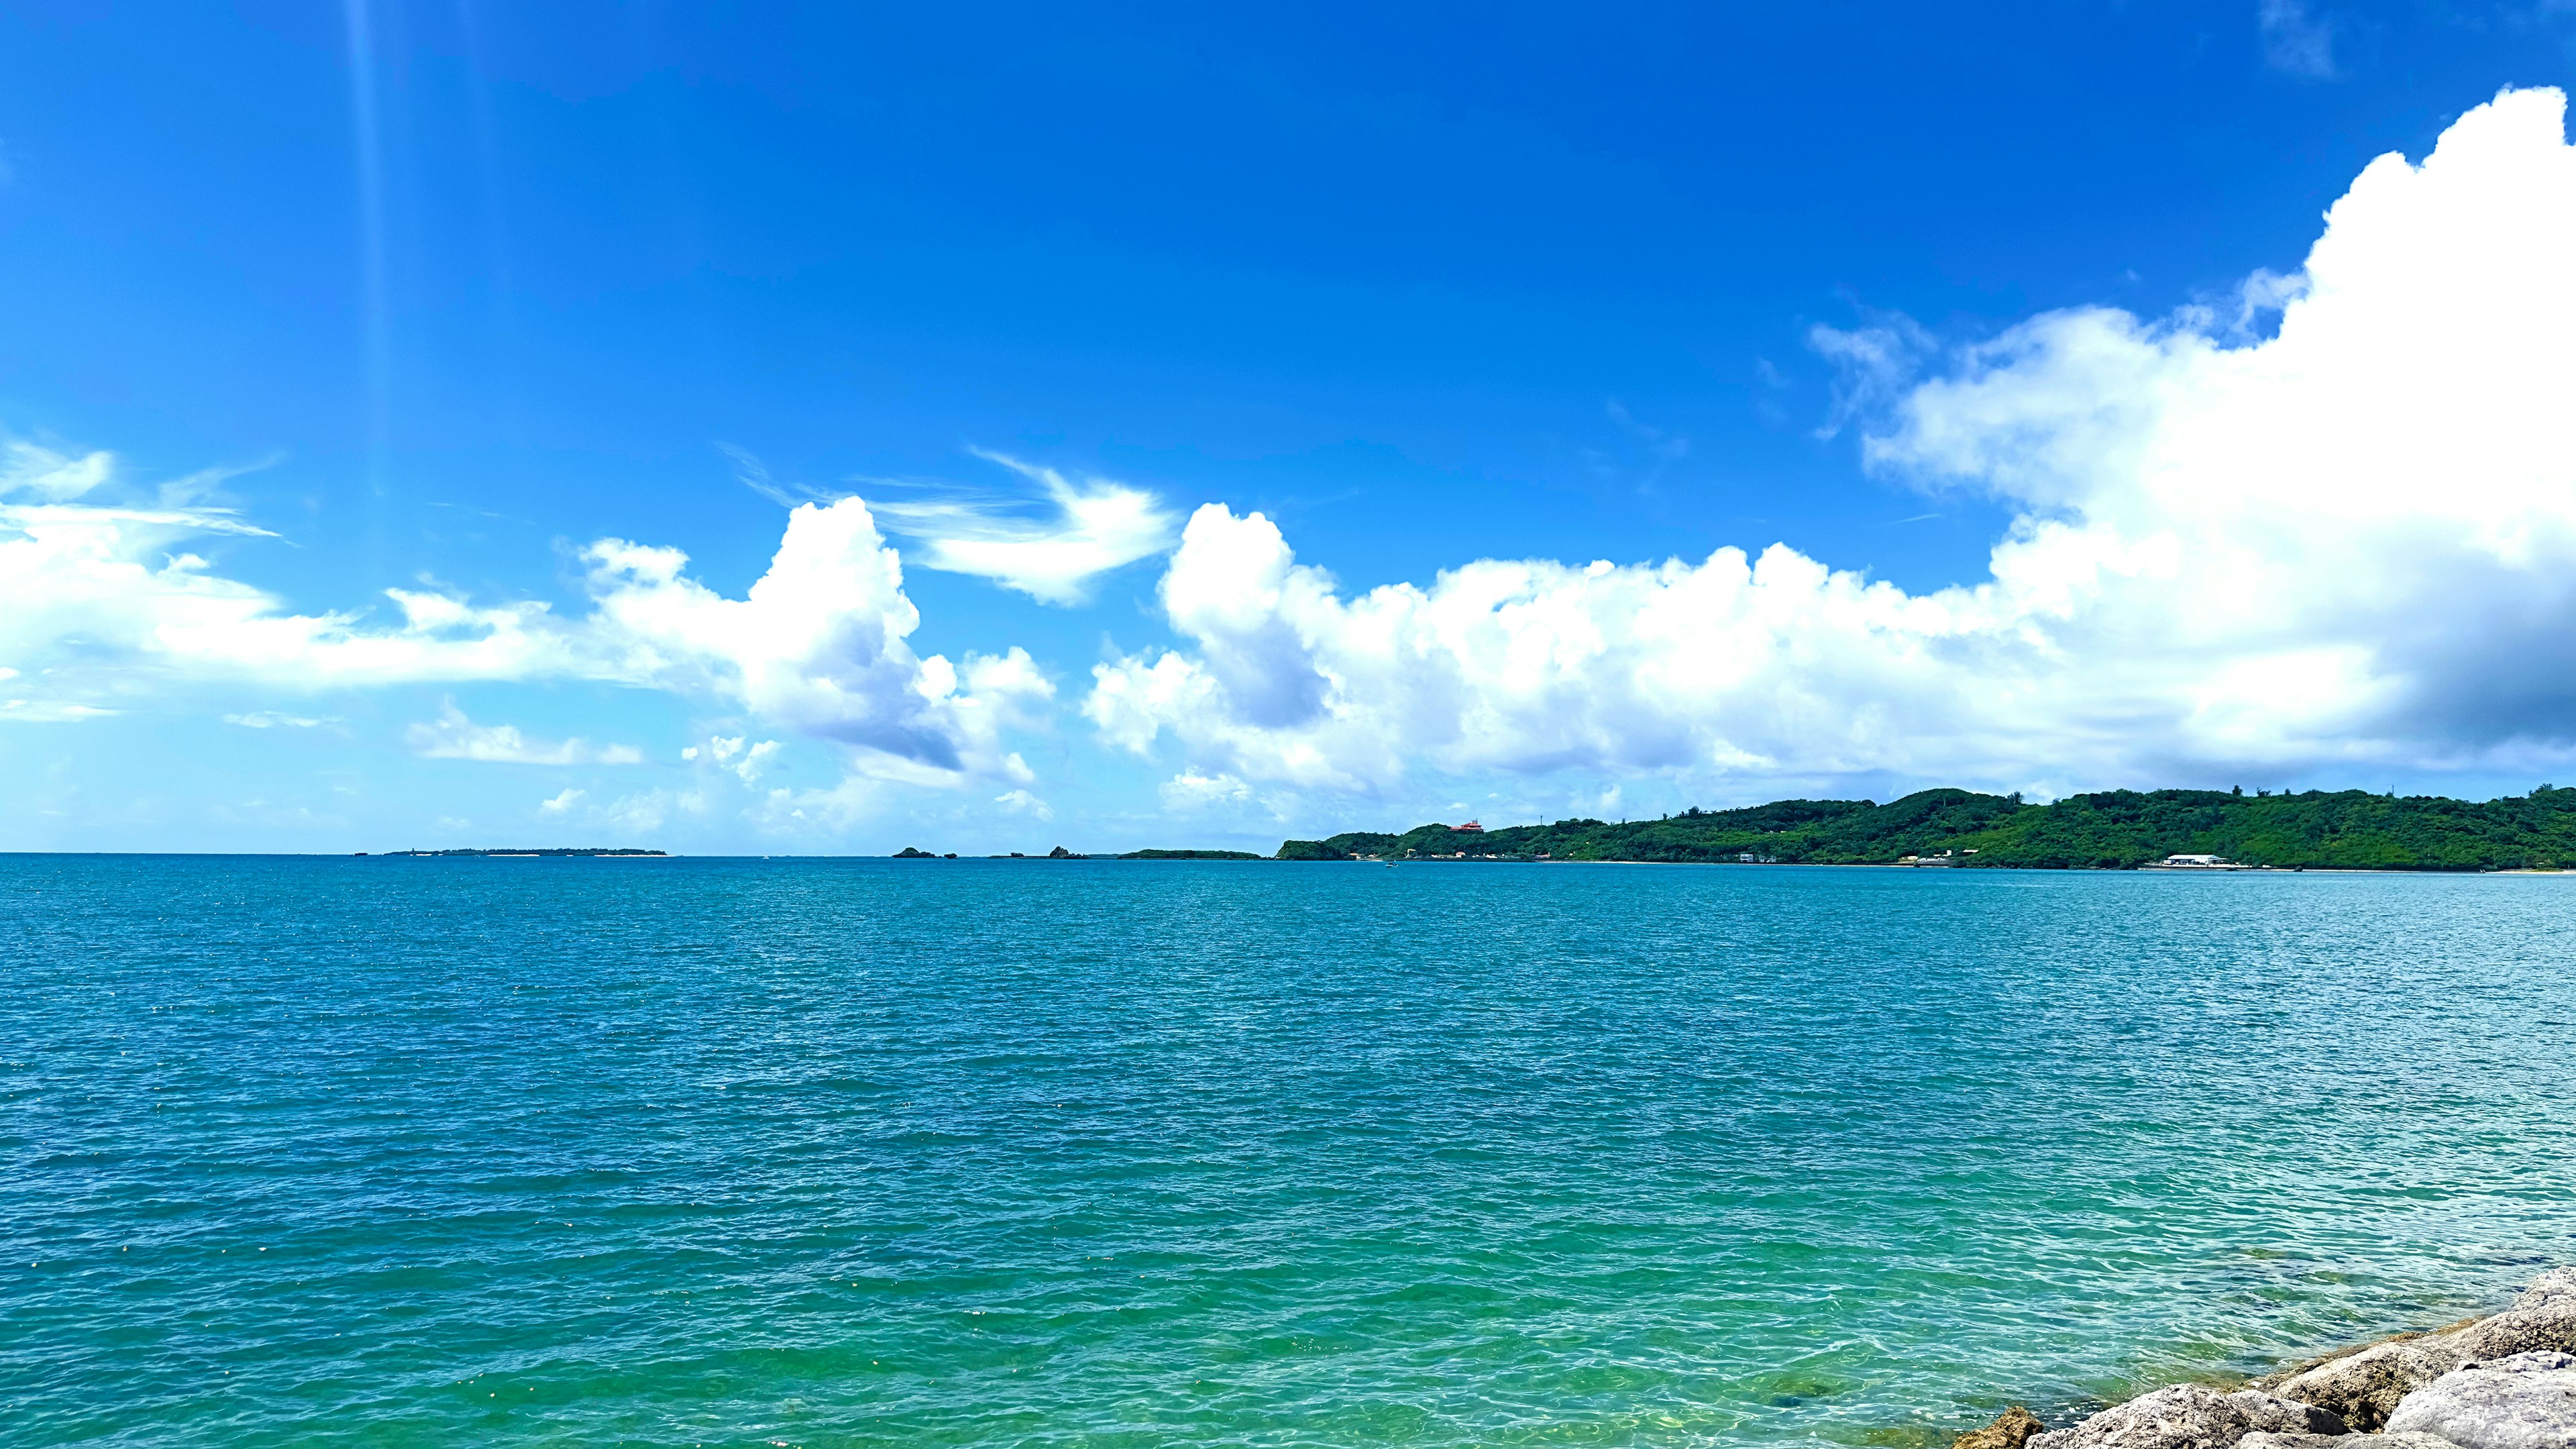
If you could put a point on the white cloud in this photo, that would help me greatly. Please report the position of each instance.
(42, 473)
(454, 737)
(1191, 790)
(744, 758)
(562, 804)
(107, 602)
(269, 719)
(647, 811)
(1873, 364)
(817, 645)
(2295, 40)
(43, 711)
(2353, 543)
(1099, 525)
(1515, 666)
(825, 811)
(1021, 802)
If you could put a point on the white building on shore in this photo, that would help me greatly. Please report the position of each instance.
(2196, 862)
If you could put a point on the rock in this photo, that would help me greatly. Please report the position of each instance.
(2269, 1413)
(2555, 1287)
(2188, 1416)
(2011, 1429)
(2549, 1328)
(2343, 1441)
(2272, 1382)
(2366, 1387)
(2522, 1401)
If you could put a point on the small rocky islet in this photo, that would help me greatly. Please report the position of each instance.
(2507, 1381)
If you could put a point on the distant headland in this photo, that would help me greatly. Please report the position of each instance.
(2107, 830)
(2178, 830)
(550, 853)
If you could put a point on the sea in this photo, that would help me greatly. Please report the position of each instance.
(389, 1152)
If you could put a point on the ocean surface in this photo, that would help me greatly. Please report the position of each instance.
(812, 1153)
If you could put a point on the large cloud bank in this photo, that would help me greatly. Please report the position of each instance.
(2350, 544)
(2347, 546)
(106, 605)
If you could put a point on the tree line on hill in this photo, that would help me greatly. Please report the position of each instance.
(2107, 830)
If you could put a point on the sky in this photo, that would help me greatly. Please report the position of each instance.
(828, 429)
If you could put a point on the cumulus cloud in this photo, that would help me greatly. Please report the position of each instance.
(108, 600)
(1021, 802)
(738, 754)
(454, 737)
(818, 644)
(2350, 543)
(1190, 790)
(1098, 525)
(1521, 666)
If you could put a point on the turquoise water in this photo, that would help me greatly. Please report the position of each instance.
(303, 1151)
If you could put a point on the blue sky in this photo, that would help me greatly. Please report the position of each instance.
(435, 296)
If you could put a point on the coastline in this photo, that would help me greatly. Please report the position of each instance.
(2266, 870)
(1963, 829)
(2502, 1380)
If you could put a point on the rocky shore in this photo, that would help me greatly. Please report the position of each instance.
(2501, 1382)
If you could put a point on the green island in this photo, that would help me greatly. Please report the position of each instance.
(2106, 830)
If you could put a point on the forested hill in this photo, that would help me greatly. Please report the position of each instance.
(2113, 830)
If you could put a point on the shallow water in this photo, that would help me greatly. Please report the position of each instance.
(308, 1151)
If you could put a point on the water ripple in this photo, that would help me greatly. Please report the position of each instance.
(856, 1153)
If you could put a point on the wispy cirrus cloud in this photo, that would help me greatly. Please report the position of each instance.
(1049, 546)
(1092, 525)
(45, 711)
(269, 719)
(1874, 364)
(2296, 41)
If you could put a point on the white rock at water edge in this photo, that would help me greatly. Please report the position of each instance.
(2365, 1388)
(2553, 1289)
(2343, 1442)
(2188, 1416)
(2524, 1401)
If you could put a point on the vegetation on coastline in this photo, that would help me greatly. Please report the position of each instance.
(2107, 830)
